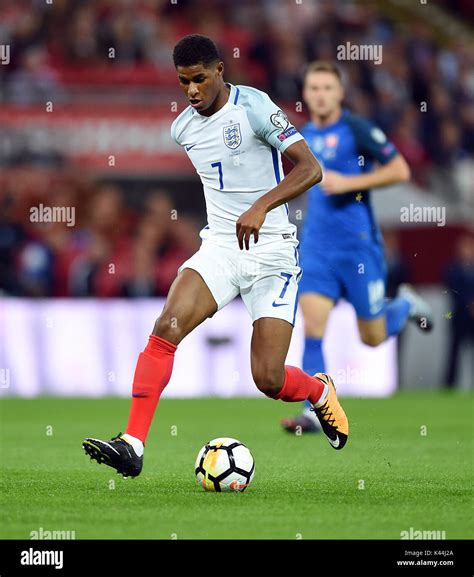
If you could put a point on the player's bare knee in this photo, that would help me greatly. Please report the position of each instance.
(313, 331)
(313, 326)
(269, 380)
(372, 339)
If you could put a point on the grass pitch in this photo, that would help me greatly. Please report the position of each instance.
(408, 463)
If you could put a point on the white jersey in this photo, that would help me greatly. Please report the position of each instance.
(237, 154)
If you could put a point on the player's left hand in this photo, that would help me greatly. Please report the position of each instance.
(248, 224)
(335, 183)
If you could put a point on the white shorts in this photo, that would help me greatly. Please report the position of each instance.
(265, 276)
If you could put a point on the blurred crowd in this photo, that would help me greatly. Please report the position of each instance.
(107, 249)
(422, 93)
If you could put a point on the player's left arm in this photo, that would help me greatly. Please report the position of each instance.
(272, 125)
(396, 170)
(305, 173)
(373, 145)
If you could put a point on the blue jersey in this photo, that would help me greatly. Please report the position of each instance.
(349, 146)
(341, 248)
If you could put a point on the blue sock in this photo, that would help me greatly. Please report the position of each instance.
(313, 360)
(396, 315)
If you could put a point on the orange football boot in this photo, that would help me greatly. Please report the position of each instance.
(331, 415)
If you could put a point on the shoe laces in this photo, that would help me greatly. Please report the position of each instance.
(325, 413)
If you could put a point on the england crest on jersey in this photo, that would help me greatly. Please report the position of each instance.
(232, 136)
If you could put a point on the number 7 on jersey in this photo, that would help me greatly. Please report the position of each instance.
(221, 178)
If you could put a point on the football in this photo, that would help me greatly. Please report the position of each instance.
(224, 465)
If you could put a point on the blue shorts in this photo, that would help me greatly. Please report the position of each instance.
(358, 275)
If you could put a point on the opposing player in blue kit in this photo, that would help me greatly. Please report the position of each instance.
(342, 248)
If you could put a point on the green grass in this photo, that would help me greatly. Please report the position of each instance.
(301, 486)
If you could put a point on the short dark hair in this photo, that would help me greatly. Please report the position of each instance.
(195, 49)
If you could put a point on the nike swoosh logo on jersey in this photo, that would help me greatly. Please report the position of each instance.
(188, 148)
(279, 304)
(335, 443)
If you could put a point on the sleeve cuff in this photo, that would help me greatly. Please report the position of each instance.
(289, 141)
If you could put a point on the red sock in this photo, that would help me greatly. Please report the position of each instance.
(152, 374)
(299, 386)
